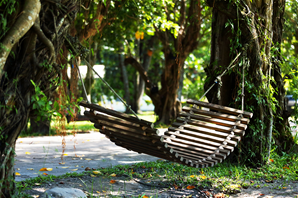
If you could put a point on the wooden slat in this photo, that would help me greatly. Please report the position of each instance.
(188, 156)
(206, 131)
(116, 114)
(199, 132)
(220, 108)
(193, 156)
(170, 141)
(178, 146)
(120, 122)
(217, 115)
(183, 136)
(197, 154)
(214, 120)
(211, 126)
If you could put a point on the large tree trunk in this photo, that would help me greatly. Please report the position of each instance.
(29, 54)
(251, 36)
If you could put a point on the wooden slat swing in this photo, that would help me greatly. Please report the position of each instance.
(203, 134)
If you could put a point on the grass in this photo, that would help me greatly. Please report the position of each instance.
(227, 178)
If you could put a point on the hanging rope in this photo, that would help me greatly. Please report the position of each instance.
(107, 84)
(82, 81)
(218, 78)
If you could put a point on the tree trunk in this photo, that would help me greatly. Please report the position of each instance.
(30, 54)
(253, 40)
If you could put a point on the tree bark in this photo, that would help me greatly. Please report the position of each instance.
(259, 23)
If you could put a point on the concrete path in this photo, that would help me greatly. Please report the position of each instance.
(91, 150)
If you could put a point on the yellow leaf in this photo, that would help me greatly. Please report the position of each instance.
(203, 176)
(112, 181)
(98, 192)
(30, 168)
(45, 173)
(17, 174)
(21, 142)
(145, 196)
(74, 169)
(104, 191)
(190, 187)
(87, 140)
(192, 176)
(88, 159)
(96, 172)
(284, 187)
(27, 153)
(92, 175)
(65, 167)
(137, 35)
(271, 160)
(76, 165)
(65, 154)
(43, 169)
(49, 169)
(113, 175)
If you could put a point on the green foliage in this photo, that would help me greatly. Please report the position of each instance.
(7, 7)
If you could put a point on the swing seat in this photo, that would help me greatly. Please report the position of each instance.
(203, 134)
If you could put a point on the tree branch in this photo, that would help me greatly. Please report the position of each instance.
(18, 30)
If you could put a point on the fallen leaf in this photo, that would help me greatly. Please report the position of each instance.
(45, 173)
(61, 182)
(271, 160)
(145, 196)
(88, 159)
(61, 162)
(21, 142)
(113, 175)
(92, 175)
(104, 191)
(82, 166)
(17, 174)
(87, 169)
(176, 187)
(284, 187)
(18, 169)
(65, 154)
(190, 187)
(98, 192)
(30, 168)
(192, 176)
(74, 169)
(96, 172)
(285, 167)
(112, 181)
(203, 176)
(87, 140)
(43, 169)
(37, 184)
(219, 195)
(144, 167)
(49, 169)
(65, 167)
(76, 165)
(261, 194)
(27, 153)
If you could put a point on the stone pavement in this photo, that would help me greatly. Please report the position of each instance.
(91, 150)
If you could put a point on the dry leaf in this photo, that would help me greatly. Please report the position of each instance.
(190, 187)
(113, 175)
(92, 175)
(43, 169)
(87, 169)
(21, 142)
(104, 191)
(37, 184)
(30, 168)
(45, 173)
(112, 181)
(17, 174)
(49, 169)
(61, 162)
(284, 187)
(285, 167)
(144, 167)
(87, 140)
(27, 153)
(98, 192)
(18, 169)
(145, 196)
(219, 195)
(65, 167)
(65, 154)
(203, 176)
(88, 159)
(96, 172)
(271, 160)
(74, 169)
(192, 176)
(61, 182)
(76, 165)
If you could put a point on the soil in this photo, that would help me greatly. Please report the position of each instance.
(125, 186)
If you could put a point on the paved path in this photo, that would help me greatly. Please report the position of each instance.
(91, 150)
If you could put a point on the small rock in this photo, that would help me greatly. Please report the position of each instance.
(64, 193)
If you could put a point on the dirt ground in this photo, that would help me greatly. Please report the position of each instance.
(124, 186)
